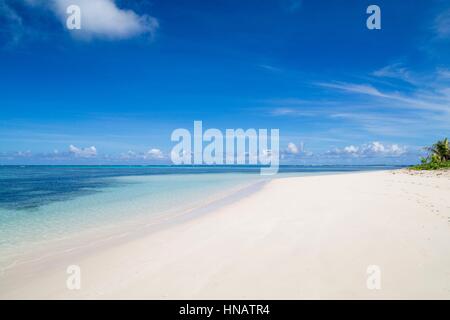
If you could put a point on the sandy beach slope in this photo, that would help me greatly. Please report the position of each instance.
(295, 238)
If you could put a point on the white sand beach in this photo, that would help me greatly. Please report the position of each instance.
(295, 238)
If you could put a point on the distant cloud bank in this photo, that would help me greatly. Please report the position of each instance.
(372, 149)
(83, 152)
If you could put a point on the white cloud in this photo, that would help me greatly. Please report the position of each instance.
(102, 18)
(396, 149)
(154, 154)
(291, 5)
(292, 148)
(376, 147)
(151, 154)
(351, 149)
(294, 151)
(83, 152)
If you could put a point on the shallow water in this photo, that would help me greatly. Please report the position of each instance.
(44, 203)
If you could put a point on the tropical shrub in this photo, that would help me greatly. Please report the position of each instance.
(438, 157)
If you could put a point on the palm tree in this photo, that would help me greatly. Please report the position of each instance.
(440, 150)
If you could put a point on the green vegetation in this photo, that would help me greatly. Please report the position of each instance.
(438, 157)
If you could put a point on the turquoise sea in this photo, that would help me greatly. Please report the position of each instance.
(39, 204)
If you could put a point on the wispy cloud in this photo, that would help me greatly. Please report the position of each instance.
(353, 88)
(396, 71)
(291, 112)
(269, 68)
(11, 22)
(295, 107)
(443, 73)
(418, 100)
(442, 25)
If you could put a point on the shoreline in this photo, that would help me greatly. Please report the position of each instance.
(289, 238)
(130, 231)
(139, 227)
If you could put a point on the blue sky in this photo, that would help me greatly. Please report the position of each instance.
(114, 91)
